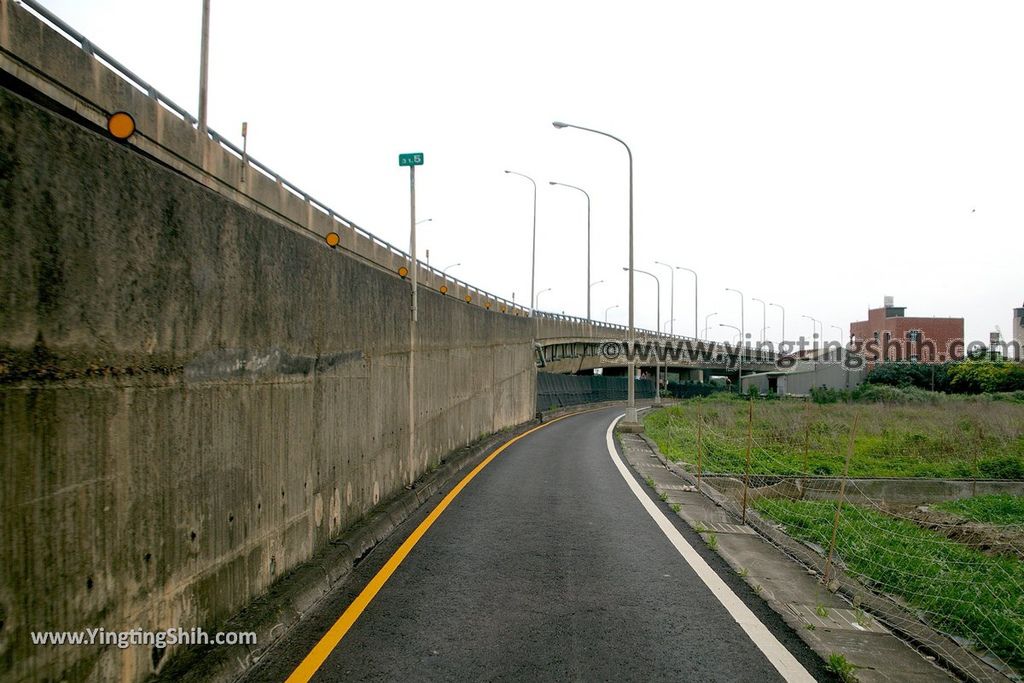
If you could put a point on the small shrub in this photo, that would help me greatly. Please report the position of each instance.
(841, 667)
(823, 395)
(976, 376)
(882, 393)
(908, 374)
(1007, 467)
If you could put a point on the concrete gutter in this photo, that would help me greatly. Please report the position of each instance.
(286, 603)
(947, 652)
(902, 490)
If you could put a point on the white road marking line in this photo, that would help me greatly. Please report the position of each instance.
(781, 658)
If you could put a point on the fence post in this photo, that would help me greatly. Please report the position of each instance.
(807, 434)
(700, 434)
(839, 502)
(746, 470)
(974, 482)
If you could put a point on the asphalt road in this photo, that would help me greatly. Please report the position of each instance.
(545, 567)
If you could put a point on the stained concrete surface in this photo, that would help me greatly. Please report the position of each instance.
(195, 398)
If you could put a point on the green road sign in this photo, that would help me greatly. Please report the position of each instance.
(413, 159)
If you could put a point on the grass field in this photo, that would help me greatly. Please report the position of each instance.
(951, 438)
(995, 509)
(960, 590)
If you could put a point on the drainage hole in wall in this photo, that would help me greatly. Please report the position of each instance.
(158, 654)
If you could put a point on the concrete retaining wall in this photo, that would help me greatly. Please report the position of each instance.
(194, 398)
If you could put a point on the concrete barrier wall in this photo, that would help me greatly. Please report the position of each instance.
(196, 399)
(34, 53)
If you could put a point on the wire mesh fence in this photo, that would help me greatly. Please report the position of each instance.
(900, 501)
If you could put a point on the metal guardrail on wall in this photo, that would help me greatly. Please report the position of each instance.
(475, 295)
(641, 333)
(481, 297)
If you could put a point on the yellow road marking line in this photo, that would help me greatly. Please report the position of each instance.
(316, 657)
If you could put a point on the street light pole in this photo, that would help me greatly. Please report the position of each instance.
(631, 390)
(671, 298)
(814, 323)
(538, 296)
(533, 258)
(813, 334)
(608, 309)
(552, 182)
(657, 365)
(739, 378)
(743, 338)
(689, 270)
(783, 309)
(446, 268)
(204, 66)
(706, 319)
(764, 315)
(426, 220)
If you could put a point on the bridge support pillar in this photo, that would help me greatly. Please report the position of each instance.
(689, 374)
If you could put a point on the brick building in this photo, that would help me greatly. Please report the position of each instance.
(888, 334)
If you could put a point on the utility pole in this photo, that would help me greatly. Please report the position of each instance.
(204, 66)
(412, 161)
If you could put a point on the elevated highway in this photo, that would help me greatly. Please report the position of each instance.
(566, 344)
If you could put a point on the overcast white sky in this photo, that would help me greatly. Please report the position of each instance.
(815, 154)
